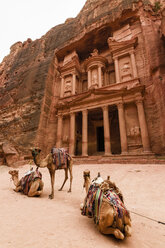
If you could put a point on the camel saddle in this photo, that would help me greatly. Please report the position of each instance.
(60, 157)
(28, 178)
(94, 199)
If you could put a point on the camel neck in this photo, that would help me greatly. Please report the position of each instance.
(15, 180)
(87, 184)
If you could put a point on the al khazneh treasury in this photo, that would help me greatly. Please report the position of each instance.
(94, 84)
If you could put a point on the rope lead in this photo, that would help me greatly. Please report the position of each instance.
(160, 222)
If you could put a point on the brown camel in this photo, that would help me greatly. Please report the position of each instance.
(106, 216)
(52, 167)
(31, 184)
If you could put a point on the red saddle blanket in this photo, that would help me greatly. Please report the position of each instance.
(60, 157)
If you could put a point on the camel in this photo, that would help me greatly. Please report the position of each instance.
(31, 184)
(52, 167)
(106, 216)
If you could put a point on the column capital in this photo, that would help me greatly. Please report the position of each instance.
(72, 113)
(131, 52)
(120, 105)
(59, 115)
(139, 101)
(85, 111)
(115, 58)
(105, 107)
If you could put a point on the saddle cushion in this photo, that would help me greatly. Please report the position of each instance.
(60, 157)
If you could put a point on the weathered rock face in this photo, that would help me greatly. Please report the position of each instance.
(8, 154)
(30, 76)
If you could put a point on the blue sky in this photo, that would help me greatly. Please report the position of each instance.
(22, 19)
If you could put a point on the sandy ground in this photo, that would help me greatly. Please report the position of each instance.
(44, 223)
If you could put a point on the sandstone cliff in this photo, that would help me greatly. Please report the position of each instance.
(27, 74)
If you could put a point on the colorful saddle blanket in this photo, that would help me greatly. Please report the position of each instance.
(28, 178)
(94, 199)
(60, 157)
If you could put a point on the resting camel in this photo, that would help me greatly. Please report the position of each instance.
(106, 215)
(52, 167)
(31, 184)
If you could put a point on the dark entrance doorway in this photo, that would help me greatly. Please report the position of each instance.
(115, 132)
(100, 139)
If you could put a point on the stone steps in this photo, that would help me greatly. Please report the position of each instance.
(122, 159)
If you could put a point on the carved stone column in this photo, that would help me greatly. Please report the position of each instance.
(117, 73)
(74, 84)
(89, 78)
(99, 76)
(143, 126)
(122, 126)
(59, 131)
(133, 62)
(72, 134)
(85, 133)
(62, 88)
(107, 143)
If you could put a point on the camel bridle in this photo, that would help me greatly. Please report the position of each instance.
(34, 154)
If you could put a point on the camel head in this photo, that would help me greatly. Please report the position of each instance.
(35, 152)
(13, 173)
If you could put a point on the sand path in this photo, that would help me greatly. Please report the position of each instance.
(44, 223)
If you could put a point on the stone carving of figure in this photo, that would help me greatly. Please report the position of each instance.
(95, 53)
(126, 67)
(68, 88)
(126, 71)
(134, 137)
(134, 131)
(94, 77)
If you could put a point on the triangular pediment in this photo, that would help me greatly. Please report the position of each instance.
(98, 95)
(91, 95)
(70, 65)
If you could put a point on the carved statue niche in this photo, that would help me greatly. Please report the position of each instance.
(67, 87)
(95, 77)
(134, 138)
(125, 69)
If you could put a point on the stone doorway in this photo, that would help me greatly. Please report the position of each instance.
(95, 132)
(100, 139)
(114, 131)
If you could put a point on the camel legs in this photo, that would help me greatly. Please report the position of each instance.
(33, 191)
(18, 188)
(71, 176)
(66, 178)
(52, 177)
(127, 227)
(116, 232)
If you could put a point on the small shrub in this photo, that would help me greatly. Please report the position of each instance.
(157, 6)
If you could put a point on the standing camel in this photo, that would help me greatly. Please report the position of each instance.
(104, 202)
(51, 164)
